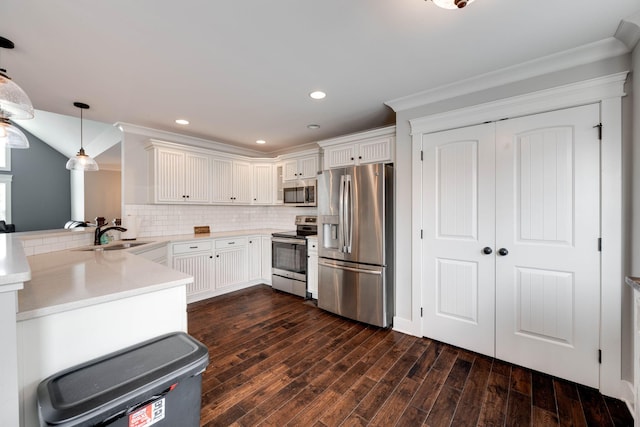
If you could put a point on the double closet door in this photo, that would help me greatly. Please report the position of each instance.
(511, 261)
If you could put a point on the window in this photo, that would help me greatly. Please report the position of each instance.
(5, 159)
(5, 197)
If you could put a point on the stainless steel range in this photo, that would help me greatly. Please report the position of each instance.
(289, 256)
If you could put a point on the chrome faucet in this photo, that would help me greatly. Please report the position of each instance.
(100, 231)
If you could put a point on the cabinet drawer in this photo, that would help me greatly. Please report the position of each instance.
(228, 243)
(187, 247)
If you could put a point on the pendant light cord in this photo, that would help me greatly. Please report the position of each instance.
(81, 146)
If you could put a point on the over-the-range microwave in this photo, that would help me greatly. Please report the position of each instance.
(300, 192)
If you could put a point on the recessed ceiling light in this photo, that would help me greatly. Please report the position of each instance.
(182, 122)
(313, 126)
(261, 141)
(318, 94)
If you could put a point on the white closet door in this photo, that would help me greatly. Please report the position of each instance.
(547, 218)
(459, 222)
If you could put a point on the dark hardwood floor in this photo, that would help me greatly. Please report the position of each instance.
(276, 360)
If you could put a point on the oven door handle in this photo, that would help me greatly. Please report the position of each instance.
(290, 241)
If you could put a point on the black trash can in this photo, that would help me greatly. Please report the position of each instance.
(157, 382)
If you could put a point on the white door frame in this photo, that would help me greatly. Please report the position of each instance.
(608, 91)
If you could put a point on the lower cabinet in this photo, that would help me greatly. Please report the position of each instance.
(195, 258)
(219, 266)
(312, 266)
(266, 259)
(255, 257)
(231, 262)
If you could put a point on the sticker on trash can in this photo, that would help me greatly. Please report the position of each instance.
(149, 415)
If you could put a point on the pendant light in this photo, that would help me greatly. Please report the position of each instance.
(81, 161)
(11, 136)
(14, 104)
(452, 4)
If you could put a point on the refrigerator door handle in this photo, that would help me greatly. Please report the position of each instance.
(355, 270)
(348, 213)
(341, 242)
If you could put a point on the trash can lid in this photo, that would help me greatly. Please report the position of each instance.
(112, 382)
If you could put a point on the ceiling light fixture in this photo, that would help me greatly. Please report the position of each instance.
(318, 94)
(261, 141)
(14, 103)
(81, 161)
(452, 4)
(182, 121)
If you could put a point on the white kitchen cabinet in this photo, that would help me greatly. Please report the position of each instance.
(375, 146)
(231, 181)
(254, 251)
(301, 168)
(195, 258)
(231, 262)
(312, 266)
(266, 259)
(263, 184)
(279, 183)
(178, 176)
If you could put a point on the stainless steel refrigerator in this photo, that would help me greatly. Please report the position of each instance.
(355, 239)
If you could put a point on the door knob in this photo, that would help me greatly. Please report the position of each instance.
(503, 252)
(487, 250)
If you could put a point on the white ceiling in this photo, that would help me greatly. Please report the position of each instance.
(241, 70)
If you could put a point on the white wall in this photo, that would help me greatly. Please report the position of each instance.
(102, 194)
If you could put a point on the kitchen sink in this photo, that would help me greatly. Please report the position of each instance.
(115, 247)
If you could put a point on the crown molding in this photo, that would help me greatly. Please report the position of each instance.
(188, 140)
(592, 52)
(358, 136)
(580, 93)
(628, 31)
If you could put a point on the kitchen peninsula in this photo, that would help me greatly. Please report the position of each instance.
(81, 304)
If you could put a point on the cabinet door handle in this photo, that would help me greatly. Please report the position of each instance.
(211, 257)
(193, 247)
(231, 243)
(217, 256)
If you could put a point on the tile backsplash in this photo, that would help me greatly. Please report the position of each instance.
(167, 220)
(35, 243)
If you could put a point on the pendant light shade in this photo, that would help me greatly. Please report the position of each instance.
(14, 103)
(452, 4)
(11, 136)
(81, 161)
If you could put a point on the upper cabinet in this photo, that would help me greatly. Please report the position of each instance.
(263, 184)
(178, 176)
(186, 174)
(231, 181)
(375, 146)
(303, 167)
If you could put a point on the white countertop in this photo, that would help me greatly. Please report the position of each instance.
(70, 279)
(66, 280)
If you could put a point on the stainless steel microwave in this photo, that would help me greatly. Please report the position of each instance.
(300, 193)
